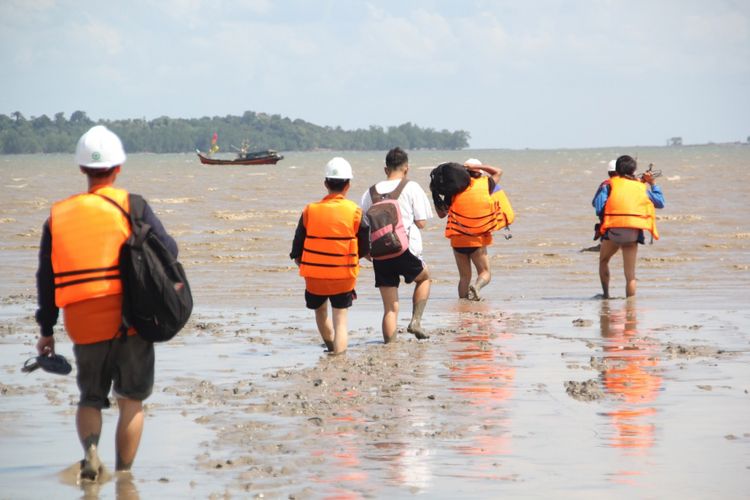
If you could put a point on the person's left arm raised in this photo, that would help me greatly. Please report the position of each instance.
(494, 172)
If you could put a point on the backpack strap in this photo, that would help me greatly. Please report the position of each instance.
(137, 206)
(393, 195)
(137, 209)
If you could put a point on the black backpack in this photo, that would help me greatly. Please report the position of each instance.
(447, 180)
(156, 297)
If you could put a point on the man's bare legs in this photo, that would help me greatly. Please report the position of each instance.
(481, 261)
(607, 250)
(89, 426)
(629, 257)
(129, 432)
(389, 294)
(325, 325)
(463, 263)
(419, 302)
(340, 333)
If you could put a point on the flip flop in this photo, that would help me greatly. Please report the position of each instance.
(55, 363)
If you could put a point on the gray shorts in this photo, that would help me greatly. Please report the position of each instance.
(623, 235)
(129, 364)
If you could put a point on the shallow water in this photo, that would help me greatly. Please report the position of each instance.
(479, 410)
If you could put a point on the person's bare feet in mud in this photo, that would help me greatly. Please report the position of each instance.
(329, 345)
(416, 329)
(334, 354)
(91, 466)
(473, 294)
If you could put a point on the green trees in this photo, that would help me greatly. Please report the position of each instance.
(175, 135)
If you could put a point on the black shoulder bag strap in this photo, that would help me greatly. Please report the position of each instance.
(137, 209)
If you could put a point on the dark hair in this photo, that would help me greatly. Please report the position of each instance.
(626, 165)
(395, 158)
(98, 173)
(336, 185)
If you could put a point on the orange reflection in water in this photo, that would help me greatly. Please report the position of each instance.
(481, 373)
(629, 364)
(344, 466)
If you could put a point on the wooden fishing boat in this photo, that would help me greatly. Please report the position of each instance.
(267, 157)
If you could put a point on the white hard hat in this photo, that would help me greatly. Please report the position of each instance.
(473, 162)
(99, 148)
(338, 168)
(612, 166)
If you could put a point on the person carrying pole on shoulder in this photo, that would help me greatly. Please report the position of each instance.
(627, 208)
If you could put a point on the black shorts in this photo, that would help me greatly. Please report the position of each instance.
(128, 363)
(466, 250)
(339, 301)
(388, 271)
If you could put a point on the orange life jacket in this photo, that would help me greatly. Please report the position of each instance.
(629, 206)
(87, 233)
(472, 215)
(330, 250)
(505, 213)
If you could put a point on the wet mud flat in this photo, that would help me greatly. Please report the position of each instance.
(583, 399)
(538, 390)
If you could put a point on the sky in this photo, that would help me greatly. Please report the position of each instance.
(514, 74)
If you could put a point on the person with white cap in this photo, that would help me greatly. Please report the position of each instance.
(328, 243)
(78, 272)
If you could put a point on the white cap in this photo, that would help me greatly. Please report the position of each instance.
(612, 166)
(338, 168)
(473, 162)
(99, 148)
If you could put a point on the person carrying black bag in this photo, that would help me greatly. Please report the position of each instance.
(79, 272)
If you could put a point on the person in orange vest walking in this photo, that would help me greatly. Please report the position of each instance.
(78, 272)
(328, 243)
(627, 208)
(472, 216)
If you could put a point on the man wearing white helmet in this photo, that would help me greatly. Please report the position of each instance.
(78, 272)
(328, 243)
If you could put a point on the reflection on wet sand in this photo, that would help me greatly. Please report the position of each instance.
(342, 452)
(480, 373)
(629, 361)
(125, 488)
(407, 452)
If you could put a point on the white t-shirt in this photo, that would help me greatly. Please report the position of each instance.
(414, 205)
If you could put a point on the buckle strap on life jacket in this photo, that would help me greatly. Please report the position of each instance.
(627, 215)
(337, 238)
(491, 214)
(330, 254)
(86, 271)
(88, 280)
(327, 265)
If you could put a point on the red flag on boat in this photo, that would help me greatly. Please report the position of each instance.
(214, 145)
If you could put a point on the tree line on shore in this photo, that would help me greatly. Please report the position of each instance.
(19, 135)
